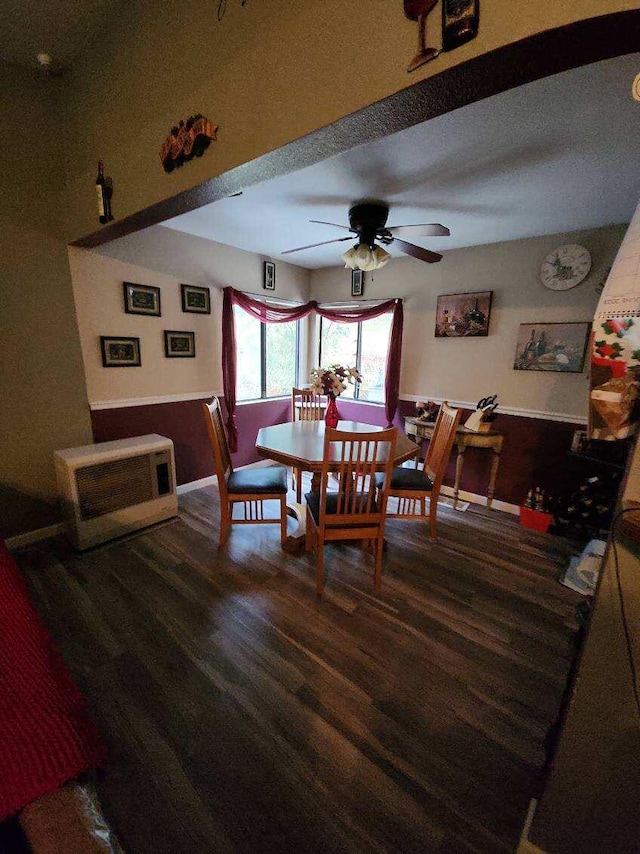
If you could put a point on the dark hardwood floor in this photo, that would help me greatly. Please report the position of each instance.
(242, 714)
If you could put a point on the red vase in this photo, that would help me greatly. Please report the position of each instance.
(331, 416)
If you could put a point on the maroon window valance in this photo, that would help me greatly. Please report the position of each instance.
(266, 313)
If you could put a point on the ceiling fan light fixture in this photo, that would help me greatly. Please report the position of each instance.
(365, 258)
(349, 258)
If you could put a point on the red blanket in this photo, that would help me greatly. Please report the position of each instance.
(46, 734)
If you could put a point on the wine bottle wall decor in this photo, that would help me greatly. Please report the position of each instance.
(104, 192)
(460, 20)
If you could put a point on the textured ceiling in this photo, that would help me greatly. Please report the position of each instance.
(559, 154)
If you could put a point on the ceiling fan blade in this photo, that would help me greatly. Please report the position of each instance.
(431, 229)
(312, 245)
(322, 222)
(417, 251)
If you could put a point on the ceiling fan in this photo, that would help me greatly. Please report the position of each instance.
(368, 221)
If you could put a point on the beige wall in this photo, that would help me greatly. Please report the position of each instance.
(98, 289)
(463, 370)
(42, 391)
(269, 73)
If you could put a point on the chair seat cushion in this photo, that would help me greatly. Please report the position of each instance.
(272, 479)
(313, 504)
(402, 478)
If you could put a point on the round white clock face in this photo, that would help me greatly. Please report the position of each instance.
(565, 267)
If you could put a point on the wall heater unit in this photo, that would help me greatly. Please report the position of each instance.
(113, 488)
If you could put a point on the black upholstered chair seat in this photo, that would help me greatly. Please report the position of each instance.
(313, 504)
(402, 478)
(258, 481)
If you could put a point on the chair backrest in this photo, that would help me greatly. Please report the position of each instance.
(306, 405)
(444, 434)
(222, 464)
(353, 459)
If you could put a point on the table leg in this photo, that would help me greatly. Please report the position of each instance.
(495, 460)
(459, 464)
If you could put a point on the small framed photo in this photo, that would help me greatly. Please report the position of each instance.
(356, 283)
(120, 352)
(179, 345)
(269, 283)
(557, 347)
(195, 300)
(141, 299)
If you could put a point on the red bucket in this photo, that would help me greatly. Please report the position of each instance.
(535, 520)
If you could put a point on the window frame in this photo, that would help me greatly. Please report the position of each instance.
(263, 357)
(358, 365)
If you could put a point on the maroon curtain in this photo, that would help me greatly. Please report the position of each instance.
(266, 313)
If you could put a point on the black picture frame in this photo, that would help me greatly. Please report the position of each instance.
(464, 315)
(120, 351)
(141, 299)
(179, 344)
(195, 300)
(357, 283)
(557, 347)
(269, 279)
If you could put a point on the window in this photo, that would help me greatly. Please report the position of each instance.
(266, 357)
(364, 345)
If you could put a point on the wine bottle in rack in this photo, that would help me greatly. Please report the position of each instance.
(101, 193)
(460, 21)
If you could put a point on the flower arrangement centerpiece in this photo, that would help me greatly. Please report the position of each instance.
(332, 381)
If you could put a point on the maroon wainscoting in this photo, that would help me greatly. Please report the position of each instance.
(182, 422)
(535, 451)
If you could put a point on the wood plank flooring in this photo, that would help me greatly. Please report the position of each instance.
(241, 714)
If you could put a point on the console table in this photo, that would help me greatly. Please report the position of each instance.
(490, 441)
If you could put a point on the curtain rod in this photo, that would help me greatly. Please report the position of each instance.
(353, 305)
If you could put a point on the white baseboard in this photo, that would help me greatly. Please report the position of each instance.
(473, 498)
(26, 539)
(524, 846)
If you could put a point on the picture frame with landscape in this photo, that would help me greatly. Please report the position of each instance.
(141, 299)
(179, 344)
(195, 300)
(556, 347)
(120, 352)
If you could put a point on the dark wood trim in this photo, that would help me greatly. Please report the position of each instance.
(538, 56)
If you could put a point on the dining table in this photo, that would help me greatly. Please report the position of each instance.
(300, 444)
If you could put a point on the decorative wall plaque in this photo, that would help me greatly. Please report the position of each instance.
(188, 139)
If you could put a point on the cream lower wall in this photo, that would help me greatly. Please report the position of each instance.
(466, 369)
(98, 290)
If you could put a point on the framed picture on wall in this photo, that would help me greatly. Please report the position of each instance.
(195, 300)
(118, 352)
(179, 344)
(269, 281)
(357, 283)
(463, 315)
(558, 347)
(141, 299)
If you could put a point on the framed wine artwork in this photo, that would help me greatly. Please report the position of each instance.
(269, 276)
(357, 283)
(463, 315)
(557, 347)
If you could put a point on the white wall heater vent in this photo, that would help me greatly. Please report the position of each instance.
(113, 488)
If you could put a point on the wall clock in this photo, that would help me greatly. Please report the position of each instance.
(565, 267)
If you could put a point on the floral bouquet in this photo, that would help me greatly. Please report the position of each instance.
(333, 380)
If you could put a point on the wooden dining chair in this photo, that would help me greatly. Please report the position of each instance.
(251, 488)
(412, 487)
(357, 510)
(306, 405)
